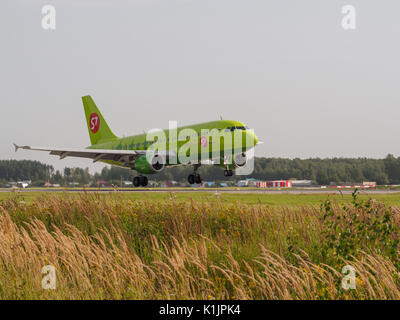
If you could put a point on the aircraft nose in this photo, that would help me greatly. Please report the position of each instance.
(252, 137)
(255, 139)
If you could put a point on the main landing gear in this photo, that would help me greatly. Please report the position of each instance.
(140, 181)
(195, 177)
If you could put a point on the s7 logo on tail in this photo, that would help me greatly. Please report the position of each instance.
(94, 122)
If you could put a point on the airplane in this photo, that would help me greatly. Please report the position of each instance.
(133, 151)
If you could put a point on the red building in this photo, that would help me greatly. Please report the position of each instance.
(275, 184)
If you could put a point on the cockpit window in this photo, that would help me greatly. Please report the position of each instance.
(235, 128)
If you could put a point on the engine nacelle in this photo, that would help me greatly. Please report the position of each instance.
(239, 160)
(156, 164)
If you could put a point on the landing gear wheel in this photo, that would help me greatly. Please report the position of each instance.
(144, 181)
(194, 179)
(228, 173)
(140, 181)
(191, 179)
(136, 181)
(197, 179)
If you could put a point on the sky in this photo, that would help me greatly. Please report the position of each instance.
(286, 68)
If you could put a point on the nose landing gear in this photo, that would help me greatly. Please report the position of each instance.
(228, 173)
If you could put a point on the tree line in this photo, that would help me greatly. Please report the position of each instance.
(320, 171)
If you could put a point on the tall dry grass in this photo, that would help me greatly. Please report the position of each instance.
(107, 247)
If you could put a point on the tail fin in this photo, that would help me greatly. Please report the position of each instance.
(99, 131)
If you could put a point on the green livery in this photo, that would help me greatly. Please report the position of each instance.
(223, 142)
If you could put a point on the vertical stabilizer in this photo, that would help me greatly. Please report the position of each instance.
(99, 131)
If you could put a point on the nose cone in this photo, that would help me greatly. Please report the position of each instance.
(251, 138)
(255, 139)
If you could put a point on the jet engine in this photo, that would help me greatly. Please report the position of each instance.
(155, 165)
(240, 160)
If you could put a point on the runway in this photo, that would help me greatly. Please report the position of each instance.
(208, 190)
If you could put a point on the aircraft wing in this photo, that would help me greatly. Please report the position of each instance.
(125, 156)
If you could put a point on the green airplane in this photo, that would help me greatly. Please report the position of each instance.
(224, 143)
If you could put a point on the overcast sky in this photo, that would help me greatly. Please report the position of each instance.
(286, 68)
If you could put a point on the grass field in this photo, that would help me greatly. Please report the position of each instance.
(281, 200)
(199, 245)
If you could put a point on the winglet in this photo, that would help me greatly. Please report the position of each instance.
(17, 147)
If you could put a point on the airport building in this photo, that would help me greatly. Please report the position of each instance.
(248, 183)
(275, 184)
(301, 183)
